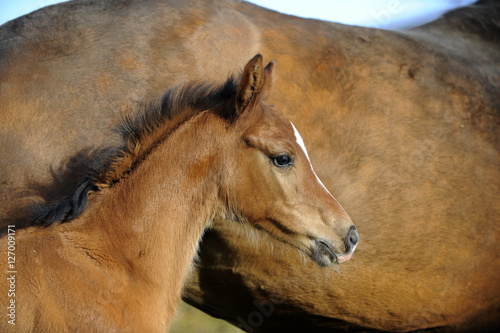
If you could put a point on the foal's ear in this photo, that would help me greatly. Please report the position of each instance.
(255, 84)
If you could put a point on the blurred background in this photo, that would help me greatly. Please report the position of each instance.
(382, 14)
(192, 320)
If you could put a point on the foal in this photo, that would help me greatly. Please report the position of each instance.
(132, 228)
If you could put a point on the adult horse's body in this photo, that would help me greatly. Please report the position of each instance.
(403, 127)
(132, 226)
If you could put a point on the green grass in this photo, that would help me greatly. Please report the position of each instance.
(191, 320)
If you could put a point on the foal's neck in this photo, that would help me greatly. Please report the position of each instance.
(155, 217)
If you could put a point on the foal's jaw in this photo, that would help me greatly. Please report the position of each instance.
(327, 237)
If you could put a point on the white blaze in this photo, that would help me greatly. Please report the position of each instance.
(301, 144)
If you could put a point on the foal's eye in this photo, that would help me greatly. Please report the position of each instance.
(282, 160)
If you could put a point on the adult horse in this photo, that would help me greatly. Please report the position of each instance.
(133, 225)
(402, 127)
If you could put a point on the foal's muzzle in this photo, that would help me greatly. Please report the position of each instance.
(323, 254)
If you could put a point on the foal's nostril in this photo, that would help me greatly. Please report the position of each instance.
(352, 238)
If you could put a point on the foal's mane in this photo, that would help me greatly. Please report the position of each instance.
(141, 133)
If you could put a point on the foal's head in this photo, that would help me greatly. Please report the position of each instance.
(268, 180)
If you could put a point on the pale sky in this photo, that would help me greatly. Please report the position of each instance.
(385, 14)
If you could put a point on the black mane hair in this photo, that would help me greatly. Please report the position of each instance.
(180, 103)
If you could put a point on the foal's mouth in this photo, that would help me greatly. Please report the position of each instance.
(322, 253)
